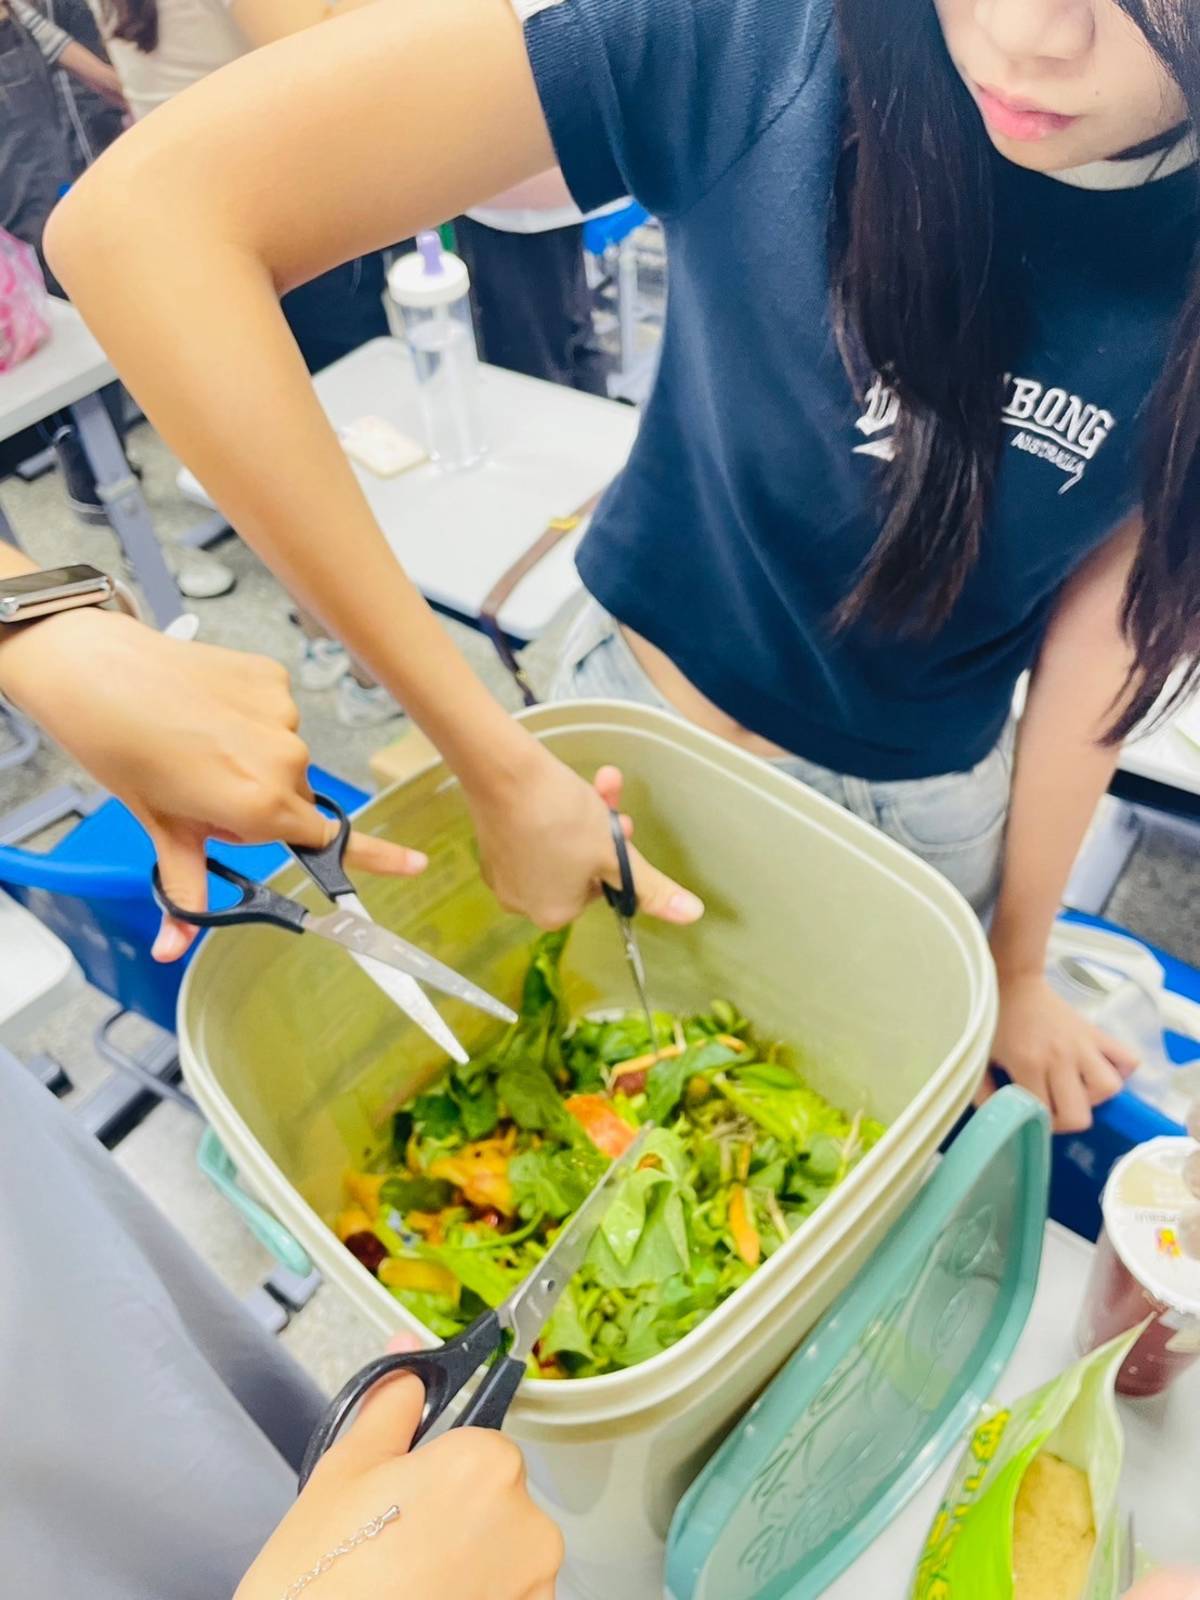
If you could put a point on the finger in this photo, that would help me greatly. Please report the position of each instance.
(185, 881)
(1123, 1057)
(627, 826)
(1069, 1101)
(384, 1427)
(1101, 1078)
(403, 1343)
(660, 896)
(608, 783)
(370, 854)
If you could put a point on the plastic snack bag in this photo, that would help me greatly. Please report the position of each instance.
(24, 319)
(1069, 1434)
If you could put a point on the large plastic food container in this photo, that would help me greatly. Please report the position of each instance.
(822, 930)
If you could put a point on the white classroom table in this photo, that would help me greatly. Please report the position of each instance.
(549, 450)
(67, 374)
(1162, 1444)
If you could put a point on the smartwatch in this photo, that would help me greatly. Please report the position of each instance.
(28, 595)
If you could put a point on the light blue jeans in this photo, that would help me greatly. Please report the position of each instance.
(955, 821)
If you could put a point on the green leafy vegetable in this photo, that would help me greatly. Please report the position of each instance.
(489, 1164)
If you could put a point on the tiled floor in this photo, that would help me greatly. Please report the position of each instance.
(1158, 897)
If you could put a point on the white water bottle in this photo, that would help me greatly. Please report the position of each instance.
(430, 286)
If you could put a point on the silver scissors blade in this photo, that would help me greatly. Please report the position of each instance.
(529, 1308)
(637, 968)
(354, 929)
(408, 994)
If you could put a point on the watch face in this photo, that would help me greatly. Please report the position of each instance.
(51, 578)
(40, 594)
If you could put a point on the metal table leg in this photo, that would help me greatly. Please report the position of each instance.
(126, 507)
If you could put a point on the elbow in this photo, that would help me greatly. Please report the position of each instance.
(73, 233)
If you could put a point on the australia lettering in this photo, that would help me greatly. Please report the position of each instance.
(1048, 422)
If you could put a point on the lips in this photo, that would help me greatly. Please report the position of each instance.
(1015, 118)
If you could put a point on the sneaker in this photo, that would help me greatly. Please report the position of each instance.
(198, 575)
(323, 663)
(78, 480)
(77, 477)
(363, 706)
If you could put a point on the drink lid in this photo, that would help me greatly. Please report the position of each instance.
(428, 276)
(1144, 1202)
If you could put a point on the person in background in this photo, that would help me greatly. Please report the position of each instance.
(150, 1432)
(533, 306)
(92, 119)
(161, 47)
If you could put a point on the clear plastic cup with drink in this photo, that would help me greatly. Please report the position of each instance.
(1143, 1271)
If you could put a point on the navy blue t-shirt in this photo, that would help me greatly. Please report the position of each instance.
(752, 495)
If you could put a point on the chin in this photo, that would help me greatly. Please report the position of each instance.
(1044, 155)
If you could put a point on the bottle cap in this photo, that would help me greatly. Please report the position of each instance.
(428, 276)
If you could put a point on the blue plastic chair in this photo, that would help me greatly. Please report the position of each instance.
(602, 233)
(93, 890)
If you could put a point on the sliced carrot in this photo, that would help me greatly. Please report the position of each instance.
(610, 1133)
(741, 1225)
(481, 1172)
(730, 1043)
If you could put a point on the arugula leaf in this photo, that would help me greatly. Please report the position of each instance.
(437, 1311)
(436, 1116)
(406, 1192)
(669, 1078)
(554, 1183)
(535, 1104)
(480, 1110)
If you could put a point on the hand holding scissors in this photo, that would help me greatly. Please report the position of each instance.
(509, 1333)
(389, 961)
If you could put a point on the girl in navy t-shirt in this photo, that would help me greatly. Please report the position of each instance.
(928, 413)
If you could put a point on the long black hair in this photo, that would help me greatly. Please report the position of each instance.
(929, 294)
(134, 20)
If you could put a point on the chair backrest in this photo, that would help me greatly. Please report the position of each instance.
(601, 233)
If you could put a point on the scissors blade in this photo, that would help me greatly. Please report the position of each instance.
(637, 967)
(408, 994)
(528, 1310)
(352, 927)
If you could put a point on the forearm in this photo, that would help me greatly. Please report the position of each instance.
(80, 62)
(181, 204)
(1063, 767)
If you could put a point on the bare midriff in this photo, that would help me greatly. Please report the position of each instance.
(683, 696)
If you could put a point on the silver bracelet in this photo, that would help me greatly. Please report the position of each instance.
(369, 1530)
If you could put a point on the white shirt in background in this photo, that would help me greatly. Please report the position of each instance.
(195, 37)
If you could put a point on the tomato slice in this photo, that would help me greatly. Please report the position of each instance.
(610, 1133)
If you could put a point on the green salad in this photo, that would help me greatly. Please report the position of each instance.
(489, 1162)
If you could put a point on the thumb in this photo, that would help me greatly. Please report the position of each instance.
(384, 1427)
(660, 896)
(185, 881)
(608, 783)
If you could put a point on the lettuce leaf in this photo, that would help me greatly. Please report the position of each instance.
(552, 1182)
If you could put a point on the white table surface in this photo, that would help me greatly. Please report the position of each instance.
(37, 973)
(68, 366)
(1170, 755)
(549, 450)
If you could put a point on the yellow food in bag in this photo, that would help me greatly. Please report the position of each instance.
(1053, 1531)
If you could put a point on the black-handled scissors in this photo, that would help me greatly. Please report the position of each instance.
(509, 1333)
(391, 962)
(624, 902)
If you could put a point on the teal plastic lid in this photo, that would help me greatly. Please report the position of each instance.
(886, 1384)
